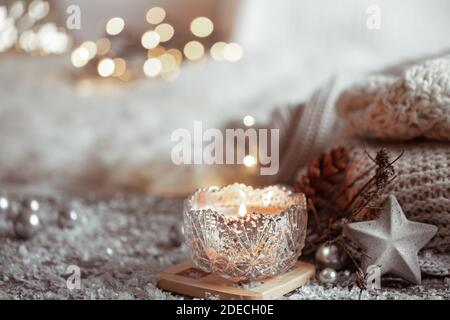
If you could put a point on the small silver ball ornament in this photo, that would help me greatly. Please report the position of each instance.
(68, 218)
(26, 224)
(331, 256)
(327, 276)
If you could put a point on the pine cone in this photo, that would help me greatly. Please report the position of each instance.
(323, 174)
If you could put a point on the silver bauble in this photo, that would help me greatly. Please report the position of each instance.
(26, 224)
(67, 218)
(327, 276)
(331, 256)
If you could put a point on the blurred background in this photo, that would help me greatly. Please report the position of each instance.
(90, 91)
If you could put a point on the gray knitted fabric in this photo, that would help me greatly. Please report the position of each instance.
(415, 104)
(422, 186)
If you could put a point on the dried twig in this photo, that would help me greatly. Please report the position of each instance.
(334, 224)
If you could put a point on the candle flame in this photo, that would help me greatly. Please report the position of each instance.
(242, 210)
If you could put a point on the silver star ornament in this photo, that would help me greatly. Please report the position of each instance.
(392, 241)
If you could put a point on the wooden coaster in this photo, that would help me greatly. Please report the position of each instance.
(185, 278)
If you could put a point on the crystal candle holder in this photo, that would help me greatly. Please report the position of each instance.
(245, 234)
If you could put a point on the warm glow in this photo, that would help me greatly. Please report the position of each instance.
(202, 27)
(249, 121)
(216, 50)
(80, 57)
(242, 210)
(91, 47)
(155, 15)
(249, 161)
(103, 46)
(106, 67)
(126, 76)
(165, 32)
(152, 67)
(233, 52)
(156, 52)
(120, 66)
(115, 26)
(168, 63)
(150, 39)
(176, 54)
(193, 50)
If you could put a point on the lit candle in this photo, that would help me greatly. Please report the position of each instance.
(242, 210)
(243, 233)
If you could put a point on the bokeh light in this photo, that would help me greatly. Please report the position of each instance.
(233, 52)
(249, 120)
(106, 67)
(155, 15)
(80, 57)
(115, 26)
(120, 67)
(29, 41)
(103, 46)
(168, 63)
(152, 67)
(17, 9)
(177, 54)
(194, 50)
(150, 39)
(91, 47)
(202, 27)
(249, 161)
(165, 31)
(127, 75)
(8, 31)
(38, 9)
(156, 52)
(216, 50)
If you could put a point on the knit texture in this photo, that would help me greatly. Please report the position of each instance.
(415, 104)
(422, 186)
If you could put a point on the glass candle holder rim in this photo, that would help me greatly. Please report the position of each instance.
(298, 200)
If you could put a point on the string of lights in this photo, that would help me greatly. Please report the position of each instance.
(159, 52)
(22, 28)
(113, 56)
